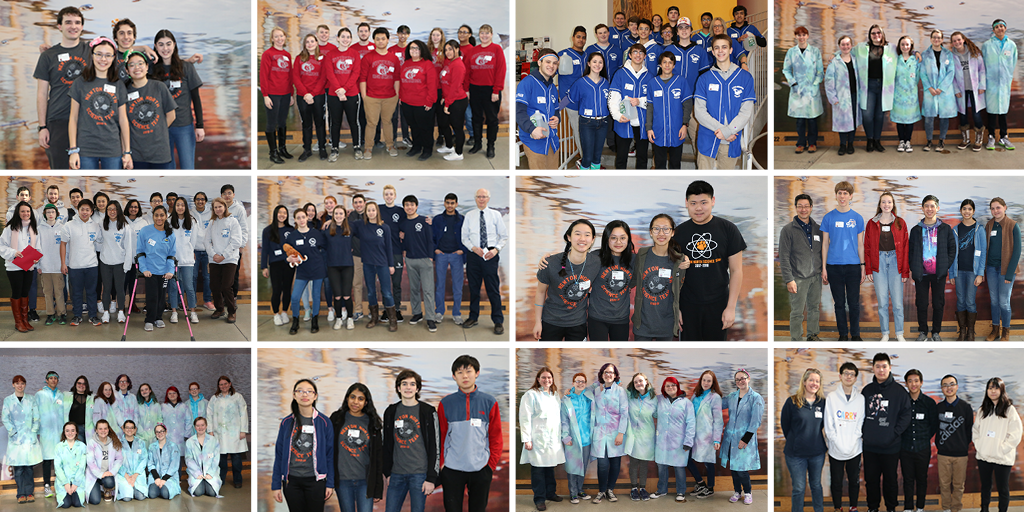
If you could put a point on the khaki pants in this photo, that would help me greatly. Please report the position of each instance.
(380, 110)
(357, 285)
(539, 161)
(691, 134)
(952, 474)
(53, 291)
(723, 161)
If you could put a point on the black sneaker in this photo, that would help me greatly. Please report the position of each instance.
(76, 320)
(305, 155)
(398, 314)
(384, 317)
(431, 326)
(323, 153)
(634, 494)
(64, 319)
(415, 319)
(96, 321)
(33, 316)
(50, 319)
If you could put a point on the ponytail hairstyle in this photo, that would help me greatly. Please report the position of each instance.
(675, 252)
(167, 223)
(568, 244)
(605, 252)
(296, 431)
(972, 48)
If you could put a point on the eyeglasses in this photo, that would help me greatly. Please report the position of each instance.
(661, 230)
(949, 385)
(742, 379)
(849, 374)
(464, 32)
(303, 392)
(136, 64)
(104, 55)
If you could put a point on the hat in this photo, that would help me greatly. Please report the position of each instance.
(50, 206)
(685, 21)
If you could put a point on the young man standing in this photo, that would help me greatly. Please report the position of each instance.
(485, 72)
(610, 51)
(673, 16)
(723, 103)
(572, 65)
(411, 449)
(364, 45)
(916, 444)
(618, 32)
(398, 118)
(418, 244)
(630, 85)
(714, 246)
(800, 262)
(56, 69)
(703, 37)
(356, 215)
(887, 414)
(392, 214)
(449, 253)
(203, 214)
(471, 443)
(484, 232)
(844, 420)
(50, 402)
(696, 60)
(75, 196)
(378, 85)
(652, 49)
(956, 421)
(842, 251)
(237, 210)
(740, 30)
(53, 197)
(537, 95)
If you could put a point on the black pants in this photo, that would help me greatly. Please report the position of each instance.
(21, 281)
(305, 493)
(350, 108)
(281, 275)
(992, 120)
(637, 337)
(220, 285)
(606, 331)
(971, 113)
(456, 484)
(155, 287)
(47, 469)
(985, 470)
(440, 118)
(703, 322)
(396, 281)
(277, 116)
(341, 284)
(57, 153)
(236, 467)
(234, 284)
(312, 115)
(881, 465)
(846, 138)
(477, 271)
(905, 131)
(844, 283)
(807, 131)
(674, 154)
(454, 135)
(914, 466)
(421, 122)
(551, 332)
(96, 495)
(484, 110)
(399, 118)
(622, 150)
(938, 287)
(852, 469)
(542, 480)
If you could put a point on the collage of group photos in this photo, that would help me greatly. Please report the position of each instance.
(377, 187)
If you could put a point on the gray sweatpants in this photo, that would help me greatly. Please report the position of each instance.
(421, 283)
(808, 294)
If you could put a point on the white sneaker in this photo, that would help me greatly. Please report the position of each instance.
(113, 307)
(451, 157)
(47, 492)
(148, 327)
(909, 148)
(899, 337)
(160, 324)
(349, 324)
(277, 319)
(445, 150)
(99, 306)
(106, 317)
(193, 317)
(337, 324)
(120, 316)
(307, 316)
(899, 149)
(174, 316)
(885, 337)
(330, 314)
(344, 314)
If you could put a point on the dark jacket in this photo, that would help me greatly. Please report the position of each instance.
(803, 428)
(323, 450)
(954, 436)
(374, 475)
(797, 258)
(924, 423)
(945, 251)
(886, 415)
(438, 225)
(428, 428)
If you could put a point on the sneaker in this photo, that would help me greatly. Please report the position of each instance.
(856, 338)
(193, 317)
(1005, 142)
(991, 143)
(349, 324)
(598, 498)
(748, 499)
(330, 314)
(705, 492)
(277, 319)
(902, 146)
(398, 313)
(148, 327)
(927, 147)
(644, 495)
(384, 317)
(209, 306)
(76, 320)
(634, 494)
(47, 492)
(415, 319)
(445, 150)
(99, 306)
(908, 148)
(358, 153)
(681, 498)
(333, 156)
(583, 496)
(357, 316)
(574, 500)
(885, 337)
(899, 337)
(367, 155)
(343, 315)
(431, 326)
(922, 337)
(402, 144)
(736, 496)
(49, 319)
(307, 316)
(106, 317)
(392, 151)
(63, 319)
(337, 324)
(457, 319)
(159, 324)
(174, 317)
(655, 495)
(936, 337)
(120, 316)
(942, 146)
(611, 496)
(96, 321)
(451, 157)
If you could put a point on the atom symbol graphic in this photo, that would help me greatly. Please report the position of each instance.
(701, 245)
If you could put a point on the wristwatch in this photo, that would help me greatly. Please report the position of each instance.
(126, 153)
(41, 128)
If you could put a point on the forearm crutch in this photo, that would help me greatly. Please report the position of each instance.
(138, 274)
(184, 308)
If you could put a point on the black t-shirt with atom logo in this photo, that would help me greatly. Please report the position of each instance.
(709, 247)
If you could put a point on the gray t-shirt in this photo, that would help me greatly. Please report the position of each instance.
(609, 301)
(300, 461)
(99, 134)
(567, 297)
(656, 315)
(147, 109)
(182, 92)
(353, 453)
(965, 64)
(60, 67)
(410, 449)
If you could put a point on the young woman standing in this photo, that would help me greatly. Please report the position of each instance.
(49, 267)
(359, 479)
(841, 86)
(707, 406)
(931, 251)
(608, 313)
(103, 408)
(21, 419)
(640, 440)
(104, 461)
(1000, 55)
(118, 251)
(340, 266)
(1001, 265)
(564, 286)
(875, 60)
(197, 404)
(576, 434)
(20, 233)
(968, 270)
(996, 434)
(150, 413)
(656, 308)
(98, 114)
(455, 102)
(486, 76)
(183, 81)
(310, 268)
(938, 69)
(666, 117)
(676, 429)
(802, 423)
(906, 108)
(804, 73)
(969, 85)
(223, 241)
(156, 243)
(343, 94)
(151, 111)
(310, 81)
(184, 226)
(591, 97)
(177, 419)
(609, 424)
(418, 94)
(435, 48)
(378, 262)
(125, 404)
(131, 477)
(277, 90)
(137, 220)
(164, 464)
(739, 444)
(274, 264)
(229, 421)
(202, 461)
(885, 262)
(539, 425)
(69, 464)
(303, 454)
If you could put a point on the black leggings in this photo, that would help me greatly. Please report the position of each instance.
(606, 331)
(905, 131)
(205, 489)
(551, 332)
(992, 119)
(350, 108)
(104, 483)
(21, 281)
(985, 470)
(484, 111)
(277, 116)
(622, 150)
(341, 284)
(281, 275)
(305, 493)
(421, 123)
(852, 469)
(670, 155)
(155, 285)
(312, 115)
(454, 136)
(440, 117)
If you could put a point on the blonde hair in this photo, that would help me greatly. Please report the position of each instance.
(218, 199)
(799, 399)
(435, 50)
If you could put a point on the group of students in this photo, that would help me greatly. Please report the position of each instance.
(109, 104)
(415, 84)
(686, 285)
(889, 426)
(863, 82)
(603, 421)
(645, 82)
(120, 445)
(345, 251)
(886, 251)
(414, 448)
(92, 247)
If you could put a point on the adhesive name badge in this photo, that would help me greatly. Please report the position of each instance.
(111, 88)
(584, 285)
(817, 238)
(353, 432)
(1006, 53)
(912, 75)
(588, 111)
(949, 415)
(476, 422)
(712, 87)
(391, 69)
(628, 87)
(59, 401)
(576, 61)
(886, 228)
(132, 96)
(991, 433)
(445, 72)
(614, 36)
(300, 241)
(658, 94)
(308, 429)
(542, 100)
(885, 403)
(618, 275)
(839, 223)
(278, 252)
(935, 239)
(399, 423)
(818, 414)
(977, 253)
(63, 57)
(993, 233)
(139, 451)
(151, 242)
(734, 35)
(679, 58)
(919, 416)
(664, 272)
(175, 84)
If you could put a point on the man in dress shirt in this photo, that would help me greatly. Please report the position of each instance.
(484, 232)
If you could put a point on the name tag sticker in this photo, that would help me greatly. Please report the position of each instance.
(618, 274)
(476, 422)
(151, 242)
(665, 272)
(919, 416)
(817, 238)
(353, 432)
(576, 62)
(839, 223)
(993, 233)
(300, 241)
(543, 100)
(308, 429)
(679, 58)
(628, 87)
(949, 415)
(588, 111)
(278, 252)
(712, 87)
(935, 239)
(399, 423)
(133, 96)
(886, 228)
(658, 94)
(64, 57)
(977, 253)
(109, 88)
(175, 84)
(885, 403)
(817, 414)
(615, 36)
(991, 433)
(584, 285)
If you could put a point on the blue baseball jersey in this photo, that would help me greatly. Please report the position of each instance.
(612, 57)
(633, 86)
(723, 99)
(617, 38)
(538, 97)
(579, 63)
(695, 60)
(590, 99)
(667, 99)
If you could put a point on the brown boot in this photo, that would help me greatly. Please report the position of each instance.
(994, 334)
(374, 318)
(961, 322)
(19, 322)
(1006, 334)
(971, 318)
(24, 314)
(392, 319)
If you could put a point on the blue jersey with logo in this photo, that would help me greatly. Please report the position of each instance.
(628, 85)
(694, 61)
(702, 40)
(667, 98)
(723, 99)
(579, 63)
(617, 38)
(542, 97)
(590, 99)
(612, 57)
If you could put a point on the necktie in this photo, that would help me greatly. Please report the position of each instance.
(483, 231)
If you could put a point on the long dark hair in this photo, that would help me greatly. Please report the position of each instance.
(89, 73)
(604, 67)
(128, 207)
(15, 222)
(274, 235)
(296, 431)
(177, 69)
(338, 417)
(605, 252)
(119, 217)
(568, 244)
(334, 225)
(167, 224)
(675, 252)
(424, 51)
(185, 222)
(456, 47)
(152, 394)
(87, 390)
(998, 408)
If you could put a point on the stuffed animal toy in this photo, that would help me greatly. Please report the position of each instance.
(291, 251)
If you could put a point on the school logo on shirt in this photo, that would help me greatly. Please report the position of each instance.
(285, 235)
(677, 94)
(283, 62)
(410, 74)
(384, 70)
(701, 245)
(380, 233)
(307, 67)
(651, 56)
(395, 217)
(312, 242)
(144, 113)
(573, 289)
(343, 65)
(737, 91)
(694, 58)
(354, 439)
(614, 282)
(407, 427)
(99, 105)
(852, 223)
(69, 68)
(117, 237)
(482, 60)
(92, 236)
(657, 286)
(419, 227)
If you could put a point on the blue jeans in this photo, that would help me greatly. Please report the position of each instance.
(183, 140)
(236, 467)
(23, 480)
(592, 134)
(970, 111)
(441, 263)
(929, 127)
(202, 260)
(370, 272)
(100, 162)
(298, 287)
(352, 496)
(663, 479)
(398, 486)
(694, 468)
(801, 471)
(542, 481)
(807, 131)
(469, 120)
(608, 472)
(844, 282)
(83, 281)
(888, 284)
(873, 115)
(966, 292)
(999, 291)
(188, 287)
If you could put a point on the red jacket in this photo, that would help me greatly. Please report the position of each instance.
(900, 235)
(344, 72)
(453, 81)
(379, 72)
(486, 66)
(419, 83)
(309, 76)
(276, 73)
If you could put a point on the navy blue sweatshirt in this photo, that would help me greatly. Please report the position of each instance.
(803, 428)
(310, 244)
(392, 216)
(273, 251)
(375, 243)
(419, 237)
(448, 233)
(339, 248)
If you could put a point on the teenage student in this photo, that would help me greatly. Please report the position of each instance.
(20, 233)
(184, 227)
(675, 432)
(906, 108)
(656, 305)
(224, 238)
(1001, 265)
(155, 244)
(537, 112)
(739, 443)
(968, 269)
(118, 251)
(938, 70)
(183, 81)
(79, 262)
(564, 287)
(707, 406)
(969, 84)
(844, 420)
(304, 453)
(667, 117)
(576, 434)
(640, 435)
(539, 425)
(887, 414)
(1000, 55)
(804, 72)
(278, 93)
(931, 251)
(842, 251)
(418, 246)
(996, 434)
(343, 94)
(309, 77)
(723, 103)
(359, 477)
(411, 460)
(151, 110)
(98, 126)
(340, 267)
(885, 262)
(841, 86)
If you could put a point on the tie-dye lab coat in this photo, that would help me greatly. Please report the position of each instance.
(202, 460)
(69, 467)
(860, 59)
(21, 419)
(805, 70)
(744, 416)
(1000, 61)
(676, 428)
(196, 409)
(976, 70)
(101, 410)
(639, 439)
(906, 105)
(228, 417)
(540, 423)
(608, 419)
(178, 419)
(165, 462)
(95, 457)
(126, 407)
(51, 419)
(846, 117)
(136, 459)
(939, 75)
(708, 418)
(149, 414)
(571, 428)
